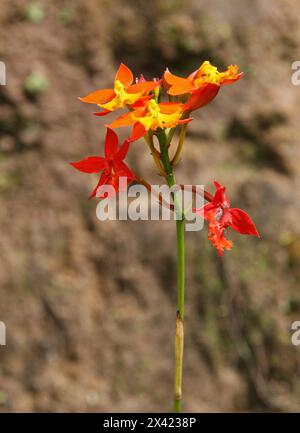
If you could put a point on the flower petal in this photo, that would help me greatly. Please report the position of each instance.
(122, 152)
(220, 197)
(183, 121)
(182, 87)
(203, 211)
(242, 223)
(124, 171)
(91, 164)
(143, 87)
(170, 107)
(104, 178)
(179, 86)
(102, 113)
(217, 184)
(99, 96)
(201, 96)
(232, 80)
(124, 75)
(138, 131)
(124, 120)
(111, 143)
(141, 102)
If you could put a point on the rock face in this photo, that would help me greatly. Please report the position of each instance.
(90, 307)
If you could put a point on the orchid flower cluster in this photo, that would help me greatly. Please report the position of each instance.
(149, 115)
(158, 111)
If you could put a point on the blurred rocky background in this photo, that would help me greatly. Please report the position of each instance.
(90, 306)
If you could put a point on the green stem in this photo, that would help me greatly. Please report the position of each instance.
(179, 335)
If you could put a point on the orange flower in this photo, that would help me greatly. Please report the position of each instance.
(151, 115)
(124, 92)
(202, 85)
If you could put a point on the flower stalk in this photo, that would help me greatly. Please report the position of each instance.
(179, 334)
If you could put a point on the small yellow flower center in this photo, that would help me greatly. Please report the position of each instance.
(153, 109)
(207, 74)
(122, 97)
(120, 90)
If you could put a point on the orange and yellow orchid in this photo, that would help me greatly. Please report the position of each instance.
(124, 92)
(202, 85)
(151, 115)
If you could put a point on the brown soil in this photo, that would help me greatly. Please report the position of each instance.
(89, 306)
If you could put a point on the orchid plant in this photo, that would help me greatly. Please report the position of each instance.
(158, 111)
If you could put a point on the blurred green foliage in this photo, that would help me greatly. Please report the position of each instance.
(35, 84)
(35, 12)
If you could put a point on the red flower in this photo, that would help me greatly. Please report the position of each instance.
(112, 165)
(220, 215)
(124, 92)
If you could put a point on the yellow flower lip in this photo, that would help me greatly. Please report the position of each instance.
(208, 73)
(119, 89)
(122, 97)
(154, 117)
(153, 108)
